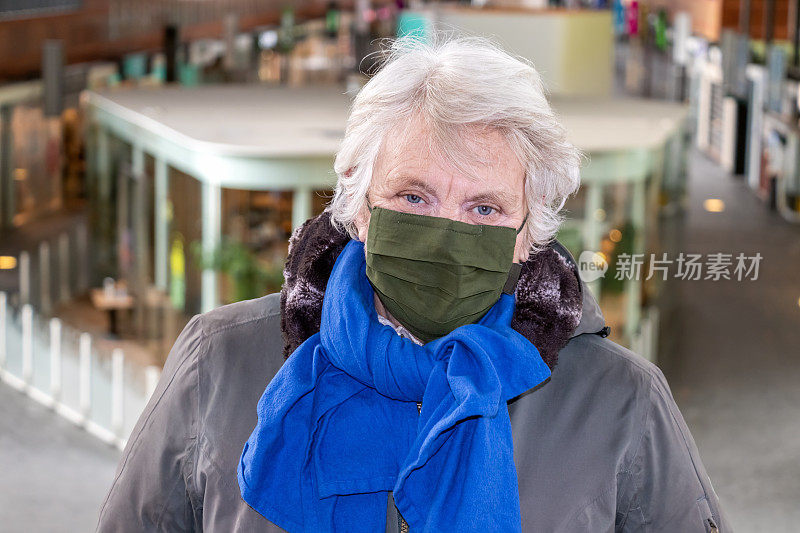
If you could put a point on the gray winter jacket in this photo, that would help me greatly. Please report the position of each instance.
(600, 446)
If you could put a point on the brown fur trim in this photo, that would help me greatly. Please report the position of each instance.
(548, 309)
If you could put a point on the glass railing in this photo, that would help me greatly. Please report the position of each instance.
(93, 386)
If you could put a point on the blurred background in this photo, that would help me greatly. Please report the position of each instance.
(155, 156)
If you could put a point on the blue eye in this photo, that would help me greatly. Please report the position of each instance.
(413, 198)
(484, 210)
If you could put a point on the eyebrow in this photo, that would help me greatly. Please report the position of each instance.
(407, 181)
(497, 197)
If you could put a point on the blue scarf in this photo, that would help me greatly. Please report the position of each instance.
(338, 425)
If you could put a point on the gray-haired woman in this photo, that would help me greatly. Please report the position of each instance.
(446, 368)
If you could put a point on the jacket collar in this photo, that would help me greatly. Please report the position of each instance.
(553, 303)
(592, 319)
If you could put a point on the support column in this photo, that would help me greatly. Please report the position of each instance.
(593, 228)
(102, 166)
(7, 188)
(161, 268)
(121, 221)
(141, 236)
(137, 161)
(633, 287)
(301, 206)
(102, 186)
(212, 229)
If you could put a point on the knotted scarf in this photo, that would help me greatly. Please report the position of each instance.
(338, 425)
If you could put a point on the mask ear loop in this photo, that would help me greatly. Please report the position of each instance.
(524, 220)
(516, 269)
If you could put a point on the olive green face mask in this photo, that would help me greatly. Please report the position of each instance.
(435, 274)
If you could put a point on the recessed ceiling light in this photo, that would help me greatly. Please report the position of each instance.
(713, 205)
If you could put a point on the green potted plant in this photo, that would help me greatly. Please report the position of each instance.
(251, 278)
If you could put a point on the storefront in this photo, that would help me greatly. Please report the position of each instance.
(30, 155)
(197, 212)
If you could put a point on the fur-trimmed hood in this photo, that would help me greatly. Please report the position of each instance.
(551, 299)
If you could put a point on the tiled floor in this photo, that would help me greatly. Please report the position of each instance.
(731, 353)
(54, 474)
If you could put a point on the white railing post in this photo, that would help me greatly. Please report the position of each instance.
(44, 277)
(151, 375)
(27, 343)
(55, 359)
(117, 391)
(63, 274)
(85, 379)
(24, 278)
(3, 318)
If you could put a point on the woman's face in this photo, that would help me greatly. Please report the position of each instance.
(409, 177)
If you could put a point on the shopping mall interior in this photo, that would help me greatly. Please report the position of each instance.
(156, 156)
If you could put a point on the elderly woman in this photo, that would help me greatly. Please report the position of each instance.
(446, 368)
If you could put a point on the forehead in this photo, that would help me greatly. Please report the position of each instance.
(470, 157)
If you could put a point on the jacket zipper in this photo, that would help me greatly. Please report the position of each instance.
(712, 525)
(401, 522)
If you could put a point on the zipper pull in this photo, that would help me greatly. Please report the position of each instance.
(712, 525)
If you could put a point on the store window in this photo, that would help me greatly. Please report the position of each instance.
(256, 226)
(615, 233)
(185, 227)
(36, 157)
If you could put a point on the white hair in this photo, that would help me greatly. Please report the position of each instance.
(453, 82)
